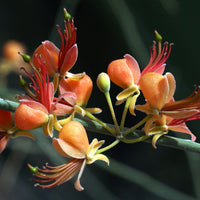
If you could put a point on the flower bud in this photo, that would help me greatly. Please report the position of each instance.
(67, 16)
(22, 82)
(25, 57)
(103, 82)
(158, 37)
(34, 170)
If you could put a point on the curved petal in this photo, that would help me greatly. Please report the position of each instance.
(183, 129)
(155, 89)
(132, 103)
(81, 87)
(172, 86)
(30, 114)
(62, 109)
(74, 134)
(67, 150)
(69, 60)
(120, 73)
(134, 67)
(127, 92)
(49, 54)
(161, 69)
(98, 157)
(77, 183)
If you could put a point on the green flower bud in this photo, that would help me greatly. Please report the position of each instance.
(33, 170)
(158, 37)
(67, 16)
(22, 82)
(103, 82)
(25, 57)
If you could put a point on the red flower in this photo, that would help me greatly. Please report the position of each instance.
(63, 59)
(40, 107)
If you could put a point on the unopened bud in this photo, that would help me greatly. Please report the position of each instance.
(22, 82)
(103, 82)
(33, 170)
(158, 37)
(25, 57)
(67, 16)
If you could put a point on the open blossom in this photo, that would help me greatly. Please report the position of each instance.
(63, 59)
(72, 143)
(40, 107)
(158, 91)
(126, 72)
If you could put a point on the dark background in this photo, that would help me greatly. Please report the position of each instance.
(106, 30)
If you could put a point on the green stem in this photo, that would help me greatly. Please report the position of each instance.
(93, 126)
(88, 114)
(107, 95)
(137, 125)
(140, 139)
(125, 112)
(108, 147)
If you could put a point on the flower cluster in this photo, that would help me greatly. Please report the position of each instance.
(54, 96)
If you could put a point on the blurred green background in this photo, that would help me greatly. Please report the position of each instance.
(106, 30)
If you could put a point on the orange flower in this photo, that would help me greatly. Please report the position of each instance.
(82, 88)
(40, 107)
(158, 91)
(63, 59)
(71, 143)
(126, 72)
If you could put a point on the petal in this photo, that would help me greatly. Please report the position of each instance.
(30, 114)
(94, 110)
(77, 183)
(132, 104)
(74, 134)
(5, 119)
(98, 157)
(134, 67)
(177, 114)
(62, 109)
(3, 142)
(172, 86)
(49, 54)
(120, 73)
(149, 123)
(23, 133)
(155, 139)
(146, 109)
(127, 92)
(67, 150)
(69, 60)
(183, 129)
(161, 69)
(155, 89)
(81, 87)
